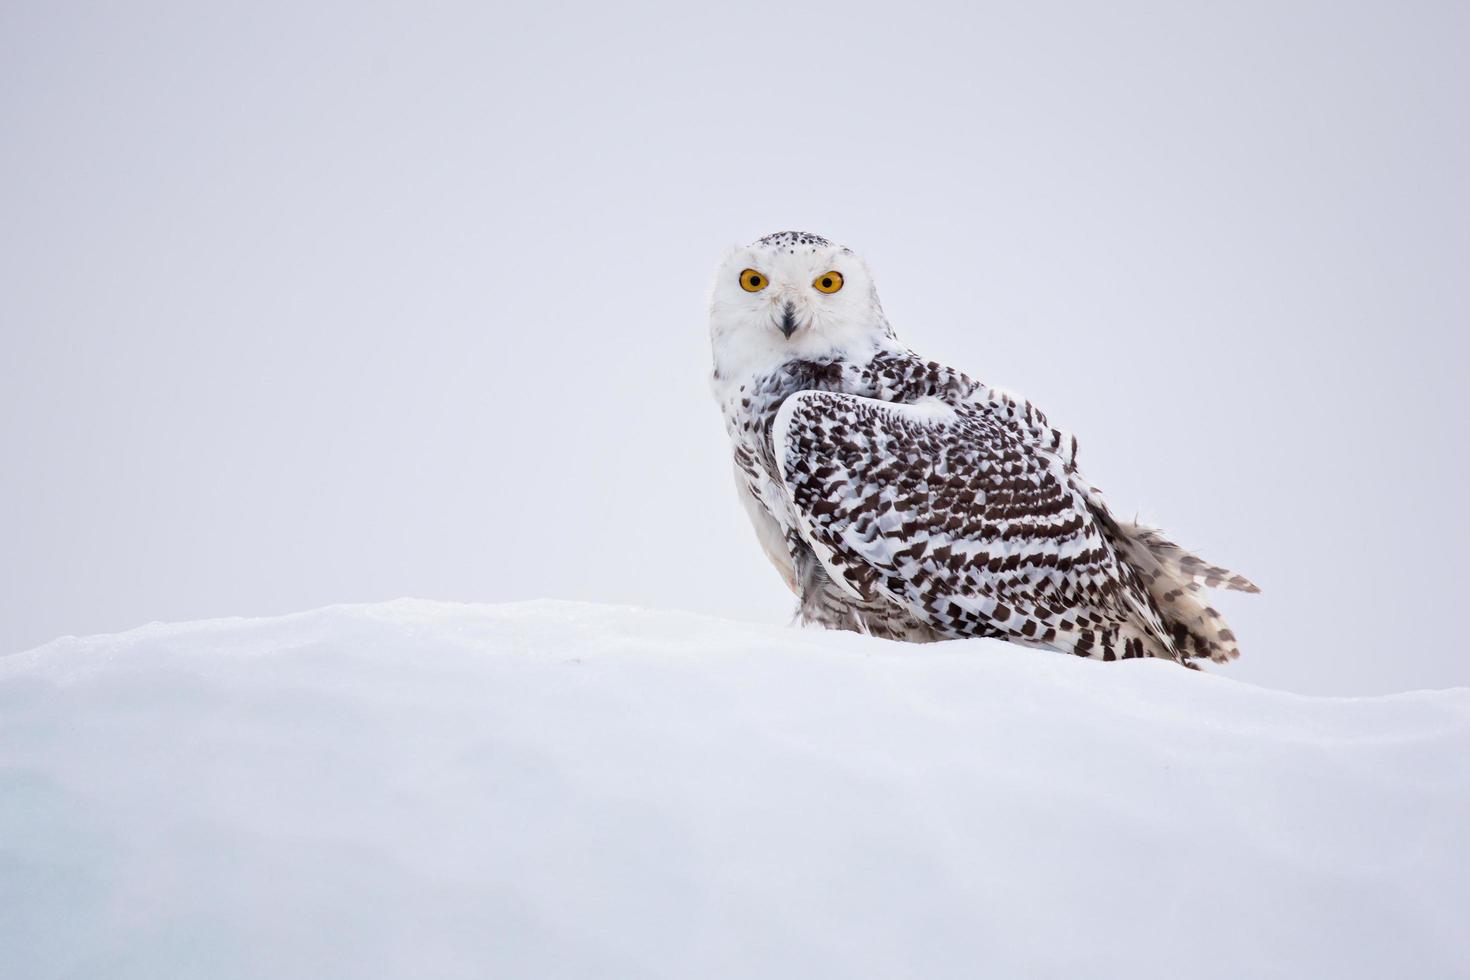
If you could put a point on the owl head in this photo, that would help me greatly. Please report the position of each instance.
(792, 296)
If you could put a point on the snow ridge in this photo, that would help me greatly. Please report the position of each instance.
(413, 789)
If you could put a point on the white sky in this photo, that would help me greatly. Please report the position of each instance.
(317, 304)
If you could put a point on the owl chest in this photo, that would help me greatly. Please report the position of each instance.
(749, 426)
(751, 410)
(749, 415)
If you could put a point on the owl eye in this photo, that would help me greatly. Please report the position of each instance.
(752, 281)
(828, 282)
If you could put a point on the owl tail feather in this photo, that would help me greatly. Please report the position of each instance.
(1176, 581)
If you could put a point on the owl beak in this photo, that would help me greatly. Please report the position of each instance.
(788, 319)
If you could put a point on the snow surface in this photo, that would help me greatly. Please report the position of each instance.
(419, 789)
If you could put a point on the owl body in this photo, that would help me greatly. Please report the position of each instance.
(901, 498)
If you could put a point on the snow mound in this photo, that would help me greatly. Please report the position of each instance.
(419, 789)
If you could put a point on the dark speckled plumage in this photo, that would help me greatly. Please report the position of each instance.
(913, 502)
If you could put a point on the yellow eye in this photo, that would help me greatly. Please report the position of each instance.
(752, 281)
(828, 282)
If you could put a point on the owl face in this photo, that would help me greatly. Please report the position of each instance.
(791, 296)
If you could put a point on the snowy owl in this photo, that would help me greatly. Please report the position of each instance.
(899, 497)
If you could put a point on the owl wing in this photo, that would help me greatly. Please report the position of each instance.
(969, 516)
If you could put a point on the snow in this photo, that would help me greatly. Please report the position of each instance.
(420, 789)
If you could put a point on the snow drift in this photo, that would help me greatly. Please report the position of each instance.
(419, 789)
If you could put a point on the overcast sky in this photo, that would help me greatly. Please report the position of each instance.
(314, 303)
